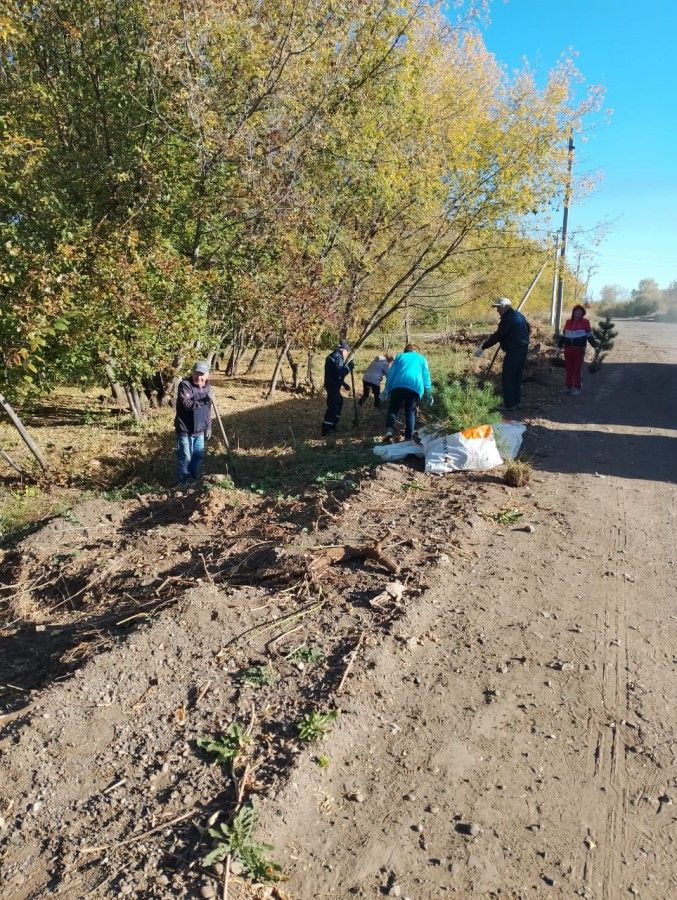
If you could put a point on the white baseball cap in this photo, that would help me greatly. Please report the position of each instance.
(502, 303)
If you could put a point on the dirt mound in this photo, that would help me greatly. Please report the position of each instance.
(157, 608)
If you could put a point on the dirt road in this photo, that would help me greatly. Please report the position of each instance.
(531, 691)
(506, 727)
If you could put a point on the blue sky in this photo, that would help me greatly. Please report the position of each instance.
(630, 49)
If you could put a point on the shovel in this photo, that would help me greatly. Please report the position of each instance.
(224, 436)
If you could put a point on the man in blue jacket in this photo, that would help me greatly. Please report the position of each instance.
(513, 336)
(407, 382)
(193, 422)
(336, 371)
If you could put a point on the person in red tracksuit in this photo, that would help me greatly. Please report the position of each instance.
(577, 333)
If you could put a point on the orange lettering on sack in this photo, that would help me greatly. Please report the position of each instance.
(479, 431)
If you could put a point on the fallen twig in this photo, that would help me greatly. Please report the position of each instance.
(105, 848)
(346, 552)
(203, 691)
(353, 656)
(250, 632)
(113, 787)
(207, 572)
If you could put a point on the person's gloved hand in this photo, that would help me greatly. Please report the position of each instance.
(479, 352)
(208, 434)
(428, 398)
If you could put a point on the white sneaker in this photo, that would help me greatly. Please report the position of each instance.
(575, 392)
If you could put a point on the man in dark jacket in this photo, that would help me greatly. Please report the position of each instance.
(193, 422)
(513, 336)
(335, 372)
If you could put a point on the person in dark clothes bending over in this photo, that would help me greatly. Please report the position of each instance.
(193, 422)
(513, 336)
(335, 372)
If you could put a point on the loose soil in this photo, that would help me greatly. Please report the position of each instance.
(506, 696)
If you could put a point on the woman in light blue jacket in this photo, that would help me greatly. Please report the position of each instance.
(407, 382)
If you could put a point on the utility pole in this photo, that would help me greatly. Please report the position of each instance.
(565, 221)
(591, 269)
(553, 300)
(578, 272)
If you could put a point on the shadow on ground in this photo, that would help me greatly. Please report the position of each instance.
(616, 402)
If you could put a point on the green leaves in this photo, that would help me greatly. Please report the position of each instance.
(229, 746)
(237, 840)
(166, 180)
(313, 726)
(309, 655)
(258, 676)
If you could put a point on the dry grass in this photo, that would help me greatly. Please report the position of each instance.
(94, 449)
(517, 473)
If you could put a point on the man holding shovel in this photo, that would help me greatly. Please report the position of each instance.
(336, 370)
(513, 336)
(193, 422)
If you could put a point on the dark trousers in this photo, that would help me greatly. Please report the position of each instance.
(333, 413)
(400, 397)
(511, 380)
(375, 389)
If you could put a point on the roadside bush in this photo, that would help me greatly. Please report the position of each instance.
(464, 404)
(605, 334)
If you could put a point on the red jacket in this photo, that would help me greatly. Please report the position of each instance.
(577, 332)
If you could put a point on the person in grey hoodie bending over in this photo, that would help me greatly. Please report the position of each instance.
(407, 383)
(372, 378)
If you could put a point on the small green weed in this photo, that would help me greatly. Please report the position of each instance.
(65, 512)
(237, 841)
(315, 725)
(505, 516)
(128, 491)
(330, 477)
(322, 762)
(229, 746)
(223, 484)
(305, 654)
(413, 486)
(258, 676)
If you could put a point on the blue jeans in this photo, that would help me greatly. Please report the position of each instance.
(409, 399)
(190, 451)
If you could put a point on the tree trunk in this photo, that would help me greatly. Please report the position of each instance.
(239, 346)
(133, 408)
(251, 368)
(171, 390)
(140, 401)
(278, 369)
(25, 436)
(230, 365)
(294, 366)
(117, 390)
(310, 375)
